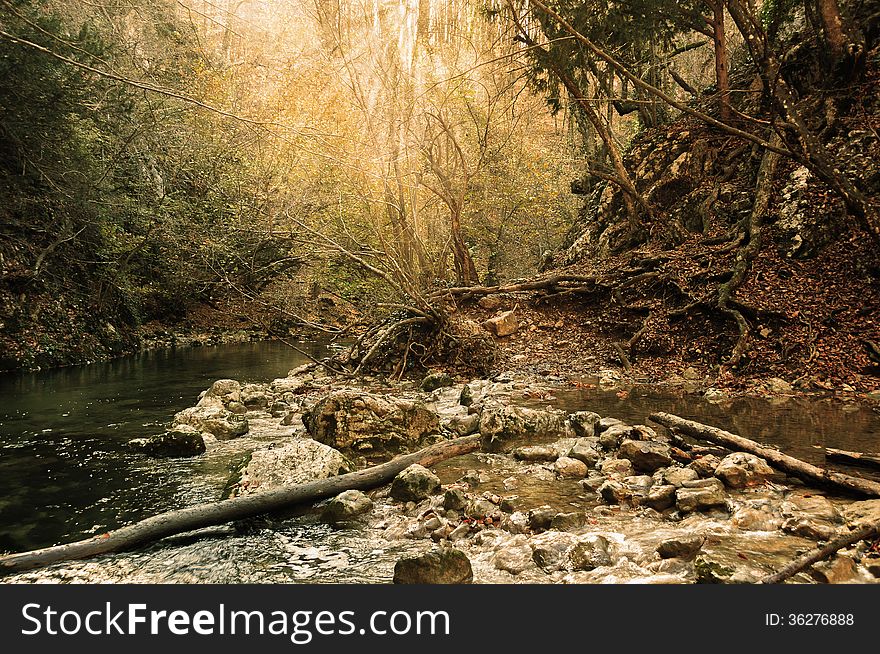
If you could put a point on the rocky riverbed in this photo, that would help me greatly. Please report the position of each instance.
(554, 496)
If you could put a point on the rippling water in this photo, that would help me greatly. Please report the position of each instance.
(65, 472)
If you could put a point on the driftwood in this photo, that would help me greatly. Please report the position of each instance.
(216, 513)
(816, 555)
(853, 458)
(789, 464)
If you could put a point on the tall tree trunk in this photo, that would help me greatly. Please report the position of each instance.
(832, 27)
(721, 61)
(465, 269)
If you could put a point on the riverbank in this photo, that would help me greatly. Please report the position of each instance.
(564, 491)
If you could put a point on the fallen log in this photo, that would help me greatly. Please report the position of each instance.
(789, 464)
(819, 553)
(216, 513)
(853, 458)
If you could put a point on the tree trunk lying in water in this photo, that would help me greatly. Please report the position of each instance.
(789, 464)
(215, 513)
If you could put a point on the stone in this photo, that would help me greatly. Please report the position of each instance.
(510, 504)
(461, 531)
(617, 467)
(347, 506)
(861, 513)
(436, 380)
(638, 484)
(593, 481)
(777, 386)
(614, 492)
(293, 462)
(466, 397)
(471, 478)
(550, 549)
(414, 484)
(675, 476)
(536, 453)
(809, 515)
(365, 421)
(179, 441)
(605, 423)
(646, 456)
(709, 571)
(590, 552)
(841, 569)
(681, 547)
(503, 324)
(660, 497)
(255, 396)
(489, 302)
(741, 469)
(217, 421)
(570, 468)
(514, 559)
(224, 390)
(582, 451)
(464, 425)
(279, 409)
(442, 565)
(516, 523)
(540, 518)
(756, 516)
(480, 508)
(501, 423)
(705, 465)
(611, 437)
(583, 423)
(568, 521)
(700, 498)
(454, 499)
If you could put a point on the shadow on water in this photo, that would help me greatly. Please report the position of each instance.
(64, 469)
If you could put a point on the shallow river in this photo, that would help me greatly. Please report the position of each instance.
(65, 472)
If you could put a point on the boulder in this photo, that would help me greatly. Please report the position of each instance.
(646, 456)
(700, 495)
(178, 441)
(681, 547)
(297, 461)
(710, 571)
(589, 552)
(454, 499)
(583, 423)
(611, 437)
(255, 396)
(216, 420)
(705, 465)
(501, 423)
(514, 559)
(675, 476)
(617, 467)
(741, 469)
(540, 518)
(756, 516)
(570, 468)
(660, 497)
(346, 506)
(222, 391)
(841, 569)
(811, 516)
(364, 421)
(489, 302)
(436, 380)
(414, 484)
(464, 425)
(568, 521)
(442, 565)
(862, 513)
(504, 324)
(550, 549)
(583, 450)
(614, 491)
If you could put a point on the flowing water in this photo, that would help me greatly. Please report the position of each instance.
(65, 472)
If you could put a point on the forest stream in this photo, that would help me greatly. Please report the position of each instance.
(66, 473)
